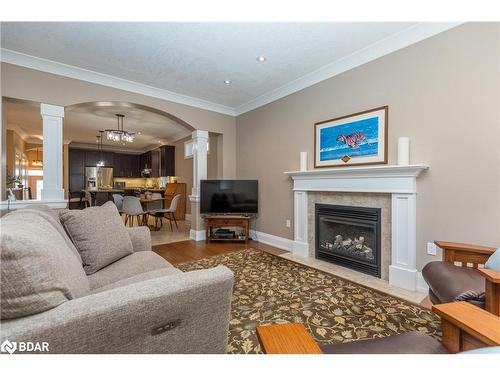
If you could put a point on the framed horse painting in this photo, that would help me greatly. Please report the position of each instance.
(357, 139)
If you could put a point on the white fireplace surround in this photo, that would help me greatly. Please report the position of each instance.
(399, 181)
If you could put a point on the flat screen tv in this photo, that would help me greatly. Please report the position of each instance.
(229, 197)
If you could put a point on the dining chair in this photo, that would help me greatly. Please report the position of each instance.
(118, 199)
(132, 208)
(87, 197)
(168, 213)
(79, 198)
(154, 208)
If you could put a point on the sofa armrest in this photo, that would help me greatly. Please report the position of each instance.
(181, 313)
(491, 290)
(140, 237)
(464, 253)
(492, 275)
(462, 318)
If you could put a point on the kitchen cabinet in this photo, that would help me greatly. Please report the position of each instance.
(76, 168)
(161, 161)
(145, 160)
(155, 162)
(92, 157)
(167, 161)
(126, 165)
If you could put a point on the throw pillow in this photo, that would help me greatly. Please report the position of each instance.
(98, 234)
(471, 296)
(38, 269)
(493, 261)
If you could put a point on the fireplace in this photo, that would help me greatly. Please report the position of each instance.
(349, 236)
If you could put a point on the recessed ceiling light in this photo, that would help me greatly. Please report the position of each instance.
(227, 82)
(261, 58)
(139, 133)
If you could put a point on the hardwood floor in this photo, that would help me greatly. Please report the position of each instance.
(185, 251)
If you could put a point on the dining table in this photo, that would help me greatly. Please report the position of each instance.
(144, 202)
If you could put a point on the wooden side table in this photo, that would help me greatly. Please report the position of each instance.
(221, 221)
(289, 338)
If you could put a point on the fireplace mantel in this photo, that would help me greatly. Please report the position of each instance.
(371, 179)
(399, 181)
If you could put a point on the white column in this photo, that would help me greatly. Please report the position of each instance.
(200, 141)
(300, 246)
(52, 117)
(403, 271)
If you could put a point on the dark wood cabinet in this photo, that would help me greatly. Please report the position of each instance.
(126, 165)
(161, 161)
(76, 169)
(167, 161)
(91, 158)
(108, 158)
(155, 162)
(76, 161)
(145, 160)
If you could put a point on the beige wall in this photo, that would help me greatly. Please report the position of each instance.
(22, 83)
(184, 167)
(442, 92)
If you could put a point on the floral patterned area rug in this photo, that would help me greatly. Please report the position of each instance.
(270, 289)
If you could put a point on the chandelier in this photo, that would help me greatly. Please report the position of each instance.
(37, 162)
(119, 135)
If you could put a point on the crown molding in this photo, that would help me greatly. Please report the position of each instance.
(374, 51)
(49, 66)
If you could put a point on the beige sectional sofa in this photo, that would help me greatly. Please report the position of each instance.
(137, 304)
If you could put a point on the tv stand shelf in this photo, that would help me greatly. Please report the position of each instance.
(221, 221)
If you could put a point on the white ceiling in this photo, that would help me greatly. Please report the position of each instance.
(194, 59)
(81, 125)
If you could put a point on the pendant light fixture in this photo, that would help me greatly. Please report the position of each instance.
(37, 162)
(119, 134)
(100, 163)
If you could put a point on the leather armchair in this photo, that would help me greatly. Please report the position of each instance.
(460, 272)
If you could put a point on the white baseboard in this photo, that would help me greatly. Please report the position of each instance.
(197, 235)
(270, 239)
(421, 284)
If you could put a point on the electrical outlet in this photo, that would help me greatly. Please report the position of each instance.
(288, 224)
(431, 248)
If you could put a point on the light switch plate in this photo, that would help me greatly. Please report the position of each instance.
(288, 224)
(431, 248)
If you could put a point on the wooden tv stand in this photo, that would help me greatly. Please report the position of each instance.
(221, 221)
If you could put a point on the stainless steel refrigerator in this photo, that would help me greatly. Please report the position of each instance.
(98, 178)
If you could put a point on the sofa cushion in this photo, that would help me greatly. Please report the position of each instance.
(134, 264)
(493, 261)
(98, 234)
(52, 216)
(38, 270)
(448, 281)
(165, 271)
